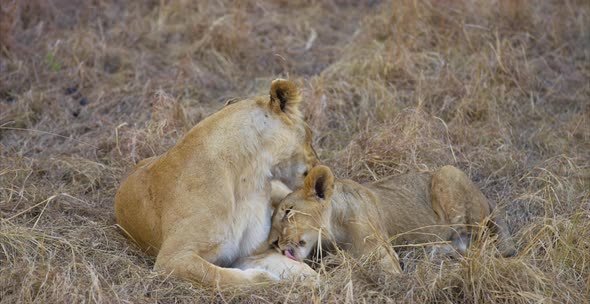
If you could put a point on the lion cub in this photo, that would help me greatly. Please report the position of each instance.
(417, 207)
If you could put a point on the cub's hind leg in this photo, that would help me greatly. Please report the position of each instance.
(505, 243)
(457, 202)
(456, 199)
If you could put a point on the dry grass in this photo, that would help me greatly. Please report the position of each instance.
(500, 89)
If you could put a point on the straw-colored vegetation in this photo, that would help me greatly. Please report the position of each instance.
(500, 89)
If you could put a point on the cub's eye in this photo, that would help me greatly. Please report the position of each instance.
(305, 173)
(302, 243)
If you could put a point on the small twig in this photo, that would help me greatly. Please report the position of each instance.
(30, 208)
(46, 133)
(43, 210)
(448, 138)
(117, 137)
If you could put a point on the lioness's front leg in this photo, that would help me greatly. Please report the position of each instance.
(187, 263)
(278, 192)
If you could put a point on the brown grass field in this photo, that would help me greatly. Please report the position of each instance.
(500, 89)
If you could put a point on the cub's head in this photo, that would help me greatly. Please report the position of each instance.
(294, 153)
(297, 219)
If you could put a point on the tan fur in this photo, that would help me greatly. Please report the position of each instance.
(417, 207)
(277, 264)
(206, 202)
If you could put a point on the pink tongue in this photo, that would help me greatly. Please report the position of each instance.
(289, 255)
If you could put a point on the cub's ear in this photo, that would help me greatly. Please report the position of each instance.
(319, 183)
(285, 96)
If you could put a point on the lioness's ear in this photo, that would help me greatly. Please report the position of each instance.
(285, 96)
(320, 183)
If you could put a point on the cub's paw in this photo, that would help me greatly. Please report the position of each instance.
(260, 276)
(443, 251)
(507, 249)
(300, 271)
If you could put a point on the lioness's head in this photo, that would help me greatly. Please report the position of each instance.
(297, 155)
(273, 128)
(297, 219)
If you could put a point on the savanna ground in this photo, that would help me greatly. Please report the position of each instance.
(500, 89)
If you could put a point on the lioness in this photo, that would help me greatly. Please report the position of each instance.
(417, 207)
(206, 201)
